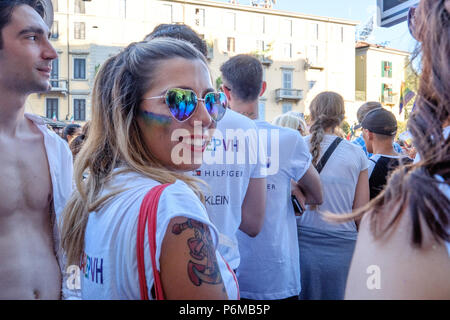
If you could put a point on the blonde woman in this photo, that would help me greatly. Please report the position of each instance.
(146, 102)
(290, 120)
(326, 248)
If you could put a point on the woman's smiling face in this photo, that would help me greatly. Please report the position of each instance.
(177, 145)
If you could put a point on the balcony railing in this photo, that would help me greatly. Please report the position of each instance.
(288, 94)
(58, 85)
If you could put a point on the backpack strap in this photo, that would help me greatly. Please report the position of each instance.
(327, 154)
(148, 215)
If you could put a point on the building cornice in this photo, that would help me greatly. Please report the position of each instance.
(266, 11)
(364, 46)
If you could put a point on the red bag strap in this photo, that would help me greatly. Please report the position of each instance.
(148, 215)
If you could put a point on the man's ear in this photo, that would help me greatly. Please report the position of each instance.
(226, 91)
(263, 88)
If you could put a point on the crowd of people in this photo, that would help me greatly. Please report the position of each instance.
(175, 190)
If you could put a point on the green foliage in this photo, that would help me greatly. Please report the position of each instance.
(345, 127)
(218, 83)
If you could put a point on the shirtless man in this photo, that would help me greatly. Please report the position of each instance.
(36, 165)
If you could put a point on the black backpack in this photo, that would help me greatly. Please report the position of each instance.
(383, 167)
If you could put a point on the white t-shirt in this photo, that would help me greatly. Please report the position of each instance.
(237, 161)
(375, 158)
(110, 263)
(339, 178)
(61, 170)
(270, 266)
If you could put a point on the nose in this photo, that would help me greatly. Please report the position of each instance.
(201, 114)
(48, 51)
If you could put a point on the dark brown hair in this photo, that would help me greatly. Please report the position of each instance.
(7, 7)
(244, 74)
(414, 189)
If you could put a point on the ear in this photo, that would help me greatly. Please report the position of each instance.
(226, 91)
(263, 88)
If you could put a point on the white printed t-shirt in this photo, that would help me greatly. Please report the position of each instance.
(339, 178)
(228, 180)
(270, 266)
(109, 268)
(60, 165)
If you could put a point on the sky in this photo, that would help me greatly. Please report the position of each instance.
(396, 37)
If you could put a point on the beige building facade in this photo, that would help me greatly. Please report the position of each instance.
(302, 55)
(380, 72)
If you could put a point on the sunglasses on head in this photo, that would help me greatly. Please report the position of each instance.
(182, 103)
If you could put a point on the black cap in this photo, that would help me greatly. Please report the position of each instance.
(380, 121)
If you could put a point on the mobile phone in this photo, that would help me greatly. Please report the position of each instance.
(297, 206)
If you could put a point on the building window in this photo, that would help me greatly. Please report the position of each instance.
(123, 9)
(200, 17)
(386, 93)
(286, 107)
(287, 50)
(80, 30)
(260, 24)
(79, 68)
(286, 27)
(167, 14)
(287, 81)
(79, 7)
(55, 30)
(79, 109)
(261, 110)
(52, 108)
(230, 21)
(342, 34)
(55, 73)
(55, 5)
(386, 69)
(231, 46)
(260, 45)
(315, 31)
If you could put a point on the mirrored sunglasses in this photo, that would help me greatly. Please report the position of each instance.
(182, 103)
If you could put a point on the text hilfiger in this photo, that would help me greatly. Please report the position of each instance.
(219, 173)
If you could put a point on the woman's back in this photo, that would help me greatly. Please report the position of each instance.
(339, 178)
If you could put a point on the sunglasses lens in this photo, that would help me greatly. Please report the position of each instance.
(216, 104)
(181, 103)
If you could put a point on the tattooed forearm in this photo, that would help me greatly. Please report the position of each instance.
(202, 249)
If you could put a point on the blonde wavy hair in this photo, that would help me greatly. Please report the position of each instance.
(290, 120)
(114, 139)
(327, 111)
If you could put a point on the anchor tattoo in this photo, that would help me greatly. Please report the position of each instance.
(201, 249)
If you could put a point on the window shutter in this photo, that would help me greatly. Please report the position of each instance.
(382, 68)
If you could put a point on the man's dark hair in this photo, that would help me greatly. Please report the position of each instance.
(7, 7)
(178, 31)
(70, 129)
(243, 74)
